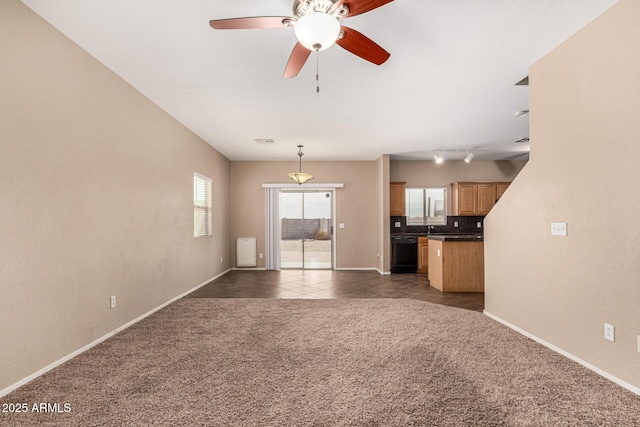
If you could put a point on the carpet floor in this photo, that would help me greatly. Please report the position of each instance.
(368, 362)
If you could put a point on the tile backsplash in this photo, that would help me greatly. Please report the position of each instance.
(466, 225)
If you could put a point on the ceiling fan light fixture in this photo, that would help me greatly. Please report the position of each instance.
(317, 30)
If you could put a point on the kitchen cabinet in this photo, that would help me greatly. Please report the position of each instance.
(456, 265)
(396, 198)
(486, 198)
(475, 198)
(423, 255)
(501, 187)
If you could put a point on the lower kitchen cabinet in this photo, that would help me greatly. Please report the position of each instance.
(423, 255)
(456, 266)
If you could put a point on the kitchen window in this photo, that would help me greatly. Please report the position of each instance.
(426, 206)
(201, 206)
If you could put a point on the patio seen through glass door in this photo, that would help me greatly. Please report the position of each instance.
(306, 229)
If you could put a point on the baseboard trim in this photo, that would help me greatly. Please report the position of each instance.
(81, 350)
(355, 269)
(248, 269)
(621, 383)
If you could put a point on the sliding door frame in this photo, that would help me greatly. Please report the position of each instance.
(272, 220)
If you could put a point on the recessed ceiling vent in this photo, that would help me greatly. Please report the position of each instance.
(522, 141)
(264, 141)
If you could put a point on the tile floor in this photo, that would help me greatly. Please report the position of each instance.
(307, 284)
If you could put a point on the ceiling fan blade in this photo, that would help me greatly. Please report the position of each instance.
(297, 60)
(356, 7)
(362, 46)
(255, 22)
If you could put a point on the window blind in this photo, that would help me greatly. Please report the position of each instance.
(425, 206)
(202, 204)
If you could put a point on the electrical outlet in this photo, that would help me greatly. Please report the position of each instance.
(609, 332)
(221, 259)
(558, 228)
(261, 255)
(396, 224)
(112, 302)
(455, 224)
(479, 224)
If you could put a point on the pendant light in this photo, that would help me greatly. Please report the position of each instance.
(300, 177)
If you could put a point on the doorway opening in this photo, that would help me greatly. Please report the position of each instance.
(306, 223)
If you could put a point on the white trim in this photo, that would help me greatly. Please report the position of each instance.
(248, 268)
(621, 383)
(315, 185)
(70, 356)
(384, 273)
(203, 177)
(356, 269)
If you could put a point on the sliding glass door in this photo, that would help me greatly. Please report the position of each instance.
(306, 229)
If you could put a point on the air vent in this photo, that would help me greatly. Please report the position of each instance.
(264, 141)
(522, 141)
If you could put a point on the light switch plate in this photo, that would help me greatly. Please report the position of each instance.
(397, 224)
(558, 228)
(609, 332)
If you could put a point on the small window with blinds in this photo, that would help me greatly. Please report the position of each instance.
(201, 206)
(426, 206)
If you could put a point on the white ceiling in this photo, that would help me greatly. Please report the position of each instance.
(449, 84)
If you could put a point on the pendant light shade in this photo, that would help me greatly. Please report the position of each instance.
(317, 30)
(300, 177)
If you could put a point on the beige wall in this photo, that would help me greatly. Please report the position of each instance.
(426, 173)
(585, 131)
(96, 199)
(356, 205)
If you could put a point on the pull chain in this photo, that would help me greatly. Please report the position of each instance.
(317, 73)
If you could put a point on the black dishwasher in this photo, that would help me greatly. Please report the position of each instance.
(404, 254)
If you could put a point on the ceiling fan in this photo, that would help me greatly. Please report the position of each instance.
(317, 27)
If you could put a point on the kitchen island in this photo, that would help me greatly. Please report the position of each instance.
(456, 263)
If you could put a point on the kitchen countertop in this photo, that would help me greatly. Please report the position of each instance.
(456, 237)
(445, 237)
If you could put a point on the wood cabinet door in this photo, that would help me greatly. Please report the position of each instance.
(423, 255)
(396, 199)
(486, 198)
(467, 199)
(501, 187)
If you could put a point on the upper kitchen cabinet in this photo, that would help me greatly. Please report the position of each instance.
(475, 198)
(464, 198)
(501, 187)
(396, 198)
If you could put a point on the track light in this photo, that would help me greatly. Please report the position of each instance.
(438, 158)
(469, 157)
